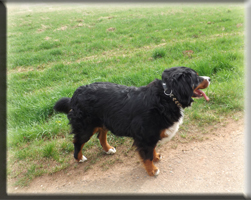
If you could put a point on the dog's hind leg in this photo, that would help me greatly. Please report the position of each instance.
(102, 136)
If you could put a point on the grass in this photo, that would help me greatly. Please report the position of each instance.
(53, 49)
(159, 53)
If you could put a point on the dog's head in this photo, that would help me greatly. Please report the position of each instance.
(184, 83)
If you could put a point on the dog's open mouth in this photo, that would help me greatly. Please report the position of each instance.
(198, 93)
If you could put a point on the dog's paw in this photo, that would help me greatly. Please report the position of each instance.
(154, 172)
(157, 158)
(111, 151)
(83, 159)
(157, 172)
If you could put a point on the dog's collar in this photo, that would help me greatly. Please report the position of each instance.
(171, 95)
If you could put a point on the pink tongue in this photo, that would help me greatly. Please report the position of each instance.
(204, 95)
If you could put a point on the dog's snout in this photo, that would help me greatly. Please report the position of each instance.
(207, 78)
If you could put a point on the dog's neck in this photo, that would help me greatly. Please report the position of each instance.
(171, 95)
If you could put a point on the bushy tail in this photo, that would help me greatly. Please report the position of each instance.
(63, 105)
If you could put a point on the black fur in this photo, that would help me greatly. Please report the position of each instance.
(63, 105)
(137, 112)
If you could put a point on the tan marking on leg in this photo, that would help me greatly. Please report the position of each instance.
(156, 156)
(151, 169)
(97, 129)
(80, 153)
(103, 139)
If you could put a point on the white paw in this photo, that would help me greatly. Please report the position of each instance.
(157, 172)
(83, 159)
(111, 151)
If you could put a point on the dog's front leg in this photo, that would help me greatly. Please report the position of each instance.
(156, 156)
(151, 169)
(78, 152)
(148, 155)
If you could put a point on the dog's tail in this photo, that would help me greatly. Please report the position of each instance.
(63, 105)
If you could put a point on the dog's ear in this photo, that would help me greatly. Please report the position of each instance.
(172, 73)
(182, 87)
(170, 79)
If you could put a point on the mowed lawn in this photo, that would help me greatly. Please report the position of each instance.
(54, 48)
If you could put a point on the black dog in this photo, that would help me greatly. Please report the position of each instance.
(147, 114)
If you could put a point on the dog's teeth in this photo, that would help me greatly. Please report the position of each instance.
(83, 159)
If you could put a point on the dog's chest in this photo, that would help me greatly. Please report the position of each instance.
(171, 131)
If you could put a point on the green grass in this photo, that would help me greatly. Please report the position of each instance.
(159, 53)
(54, 49)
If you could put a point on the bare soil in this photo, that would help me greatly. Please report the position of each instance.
(214, 165)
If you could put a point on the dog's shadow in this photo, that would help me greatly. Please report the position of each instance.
(127, 181)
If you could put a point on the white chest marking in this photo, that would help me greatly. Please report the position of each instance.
(171, 131)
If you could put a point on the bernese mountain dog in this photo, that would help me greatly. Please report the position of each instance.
(148, 114)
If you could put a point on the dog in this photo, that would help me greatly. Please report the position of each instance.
(148, 114)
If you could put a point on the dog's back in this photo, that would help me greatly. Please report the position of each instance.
(118, 107)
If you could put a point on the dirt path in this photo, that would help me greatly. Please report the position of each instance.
(215, 165)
